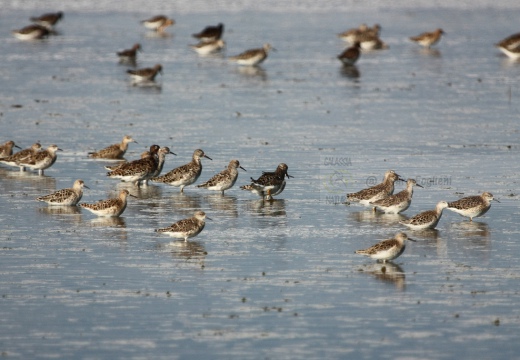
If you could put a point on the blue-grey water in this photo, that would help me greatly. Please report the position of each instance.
(264, 279)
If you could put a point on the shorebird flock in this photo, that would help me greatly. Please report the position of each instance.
(150, 165)
(138, 172)
(382, 199)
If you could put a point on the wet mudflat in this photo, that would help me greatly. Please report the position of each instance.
(264, 279)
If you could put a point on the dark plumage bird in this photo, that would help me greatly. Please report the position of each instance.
(31, 32)
(210, 33)
(350, 55)
(270, 183)
(48, 20)
(129, 55)
(510, 46)
(145, 74)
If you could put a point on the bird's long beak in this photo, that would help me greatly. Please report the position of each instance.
(242, 168)
(206, 156)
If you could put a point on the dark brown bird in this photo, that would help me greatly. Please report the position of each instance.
(129, 54)
(146, 74)
(270, 183)
(210, 33)
(350, 55)
(48, 20)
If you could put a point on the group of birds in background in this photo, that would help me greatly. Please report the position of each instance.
(362, 38)
(138, 172)
(365, 38)
(210, 41)
(381, 198)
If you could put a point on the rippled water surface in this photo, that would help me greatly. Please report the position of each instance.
(264, 279)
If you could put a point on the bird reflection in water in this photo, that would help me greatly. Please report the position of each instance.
(60, 210)
(272, 208)
(471, 239)
(18, 180)
(108, 222)
(388, 272)
(425, 234)
(350, 72)
(255, 72)
(370, 216)
(187, 251)
(185, 202)
(143, 192)
(223, 204)
(435, 53)
(473, 229)
(113, 228)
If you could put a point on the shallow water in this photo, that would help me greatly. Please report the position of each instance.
(263, 280)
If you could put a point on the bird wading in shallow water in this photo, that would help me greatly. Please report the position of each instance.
(184, 175)
(394, 204)
(387, 250)
(65, 197)
(31, 32)
(269, 184)
(116, 151)
(41, 160)
(110, 207)
(186, 228)
(48, 20)
(350, 55)
(15, 159)
(137, 170)
(225, 179)
(252, 57)
(210, 33)
(158, 23)
(472, 206)
(428, 39)
(427, 219)
(145, 74)
(377, 192)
